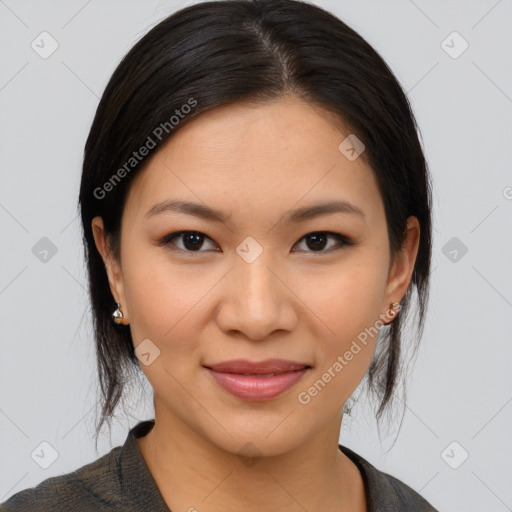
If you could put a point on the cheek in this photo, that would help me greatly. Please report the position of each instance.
(348, 307)
(164, 300)
(349, 297)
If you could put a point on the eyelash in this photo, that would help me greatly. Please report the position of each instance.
(168, 239)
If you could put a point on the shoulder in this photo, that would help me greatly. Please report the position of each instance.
(119, 481)
(406, 497)
(385, 492)
(94, 486)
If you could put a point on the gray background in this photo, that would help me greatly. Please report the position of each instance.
(460, 390)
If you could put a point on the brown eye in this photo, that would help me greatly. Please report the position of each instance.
(317, 241)
(192, 241)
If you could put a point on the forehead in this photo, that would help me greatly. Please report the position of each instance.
(256, 159)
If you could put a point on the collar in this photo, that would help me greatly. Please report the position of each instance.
(137, 483)
(139, 487)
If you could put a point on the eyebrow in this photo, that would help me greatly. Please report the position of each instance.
(294, 216)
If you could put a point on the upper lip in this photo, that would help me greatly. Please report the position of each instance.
(242, 366)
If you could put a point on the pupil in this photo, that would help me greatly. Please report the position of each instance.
(316, 238)
(193, 240)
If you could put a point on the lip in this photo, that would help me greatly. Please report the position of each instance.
(252, 381)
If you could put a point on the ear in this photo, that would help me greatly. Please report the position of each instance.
(402, 266)
(112, 266)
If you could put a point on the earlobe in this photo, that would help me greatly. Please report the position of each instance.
(391, 313)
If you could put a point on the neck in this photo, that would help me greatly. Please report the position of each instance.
(192, 473)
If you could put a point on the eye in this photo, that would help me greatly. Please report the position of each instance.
(192, 240)
(318, 240)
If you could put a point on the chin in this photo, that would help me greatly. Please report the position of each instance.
(257, 441)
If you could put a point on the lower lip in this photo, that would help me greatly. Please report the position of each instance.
(257, 388)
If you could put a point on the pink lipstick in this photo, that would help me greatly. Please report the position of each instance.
(257, 381)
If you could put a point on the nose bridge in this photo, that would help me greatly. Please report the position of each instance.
(256, 302)
(256, 285)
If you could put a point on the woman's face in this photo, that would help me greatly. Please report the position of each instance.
(269, 281)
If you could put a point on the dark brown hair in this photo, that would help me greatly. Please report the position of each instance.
(221, 52)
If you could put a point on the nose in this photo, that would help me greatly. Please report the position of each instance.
(257, 300)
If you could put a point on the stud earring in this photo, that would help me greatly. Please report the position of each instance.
(394, 308)
(117, 315)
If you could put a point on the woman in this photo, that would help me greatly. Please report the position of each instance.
(256, 213)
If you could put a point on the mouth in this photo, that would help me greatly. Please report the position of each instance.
(257, 381)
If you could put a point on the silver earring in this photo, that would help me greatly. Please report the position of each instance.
(394, 309)
(117, 315)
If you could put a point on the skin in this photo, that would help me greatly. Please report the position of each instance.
(293, 302)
